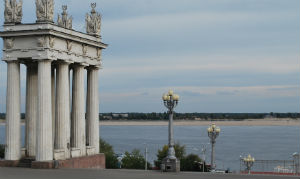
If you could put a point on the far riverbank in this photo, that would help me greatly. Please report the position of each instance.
(248, 122)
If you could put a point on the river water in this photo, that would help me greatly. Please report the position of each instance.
(262, 142)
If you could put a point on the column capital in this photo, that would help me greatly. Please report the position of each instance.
(42, 60)
(93, 67)
(12, 61)
(76, 65)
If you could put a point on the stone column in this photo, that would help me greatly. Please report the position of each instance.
(53, 101)
(78, 140)
(31, 108)
(92, 109)
(13, 117)
(62, 123)
(44, 146)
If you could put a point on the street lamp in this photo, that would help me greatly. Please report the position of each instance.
(171, 101)
(296, 162)
(213, 132)
(249, 161)
(146, 157)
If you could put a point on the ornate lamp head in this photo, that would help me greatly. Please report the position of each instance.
(249, 159)
(170, 100)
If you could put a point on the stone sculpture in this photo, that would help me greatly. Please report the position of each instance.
(13, 12)
(64, 20)
(93, 22)
(44, 10)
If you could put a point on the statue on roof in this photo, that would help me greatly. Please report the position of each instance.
(64, 20)
(44, 10)
(93, 22)
(13, 12)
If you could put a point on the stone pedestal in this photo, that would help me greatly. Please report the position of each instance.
(94, 161)
(170, 165)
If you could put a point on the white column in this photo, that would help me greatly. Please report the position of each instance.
(92, 109)
(62, 136)
(13, 128)
(31, 108)
(44, 146)
(78, 139)
(53, 102)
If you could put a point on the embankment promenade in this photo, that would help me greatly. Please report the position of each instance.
(14, 173)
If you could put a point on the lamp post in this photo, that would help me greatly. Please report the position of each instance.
(146, 157)
(296, 162)
(213, 132)
(248, 162)
(203, 150)
(171, 101)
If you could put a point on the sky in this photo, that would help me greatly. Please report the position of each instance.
(218, 55)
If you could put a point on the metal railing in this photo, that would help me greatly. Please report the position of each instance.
(288, 167)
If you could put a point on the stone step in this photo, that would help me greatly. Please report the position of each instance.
(25, 163)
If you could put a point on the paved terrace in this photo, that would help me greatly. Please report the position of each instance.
(15, 173)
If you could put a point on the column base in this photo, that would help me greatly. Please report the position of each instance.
(170, 165)
(94, 161)
(9, 163)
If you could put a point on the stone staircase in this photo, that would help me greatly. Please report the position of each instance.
(25, 163)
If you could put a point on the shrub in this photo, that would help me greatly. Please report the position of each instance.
(187, 163)
(111, 160)
(134, 160)
(190, 163)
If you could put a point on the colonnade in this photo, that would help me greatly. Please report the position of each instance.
(57, 124)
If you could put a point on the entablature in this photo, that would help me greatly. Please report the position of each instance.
(49, 41)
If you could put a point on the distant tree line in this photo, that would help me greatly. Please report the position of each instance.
(188, 116)
(196, 116)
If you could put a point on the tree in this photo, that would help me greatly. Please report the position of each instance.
(190, 163)
(161, 154)
(110, 157)
(2, 151)
(134, 160)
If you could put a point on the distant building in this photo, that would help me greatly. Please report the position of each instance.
(120, 115)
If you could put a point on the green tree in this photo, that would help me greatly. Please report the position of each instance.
(134, 160)
(110, 157)
(190, 163)
(2, 151)
(161, 154)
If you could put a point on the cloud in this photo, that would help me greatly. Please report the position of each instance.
(237, 64)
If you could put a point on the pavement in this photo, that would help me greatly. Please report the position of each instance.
(16, 173)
